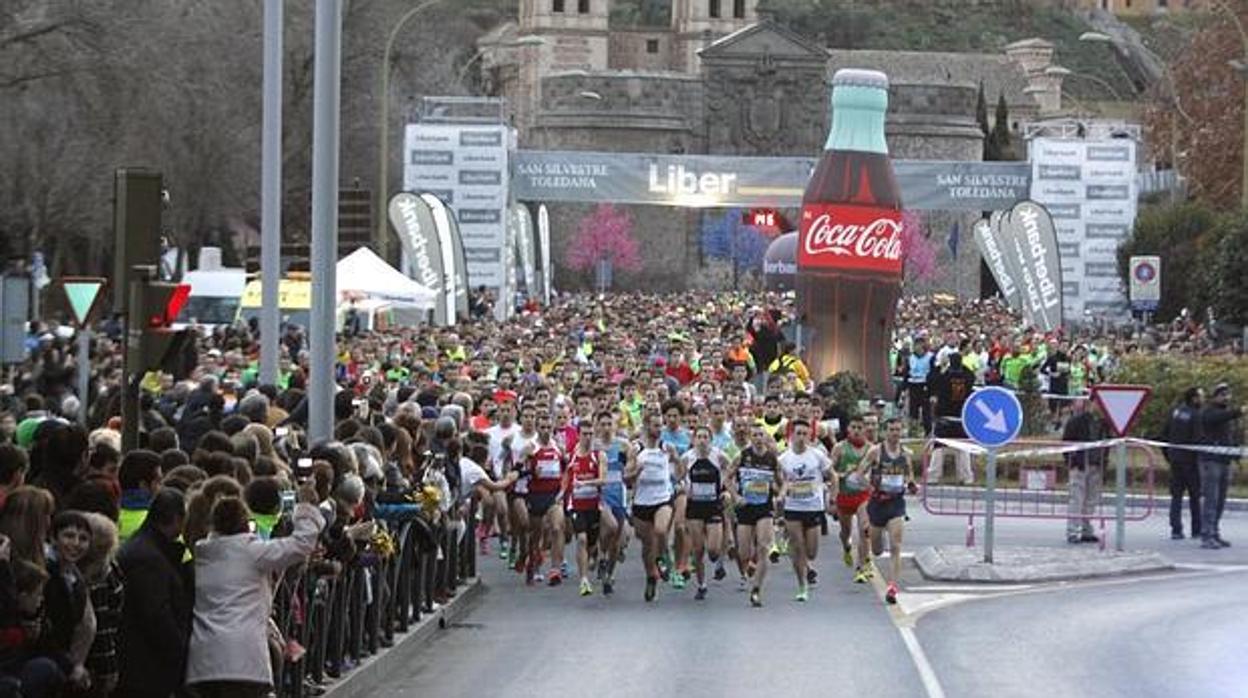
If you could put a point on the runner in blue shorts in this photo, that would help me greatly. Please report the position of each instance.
(614, 499)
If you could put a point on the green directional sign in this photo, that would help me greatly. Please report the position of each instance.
(84, 295)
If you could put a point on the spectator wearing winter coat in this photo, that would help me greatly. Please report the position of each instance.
(229, 651)
(1183, 427)
(1216, 422)
(152, 639)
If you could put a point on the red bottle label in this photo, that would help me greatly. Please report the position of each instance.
(840, 237)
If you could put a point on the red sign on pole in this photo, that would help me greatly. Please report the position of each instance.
(1121, 404)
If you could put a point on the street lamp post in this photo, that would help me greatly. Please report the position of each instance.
(1067, 73)
(1098, 37)
(383, 157)
(529, 40)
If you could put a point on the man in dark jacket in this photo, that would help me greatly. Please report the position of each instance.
(1183, 427)
(1087, 470)
(1217, 422)
(154, 632)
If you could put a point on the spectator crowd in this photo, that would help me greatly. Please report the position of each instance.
(151, 572)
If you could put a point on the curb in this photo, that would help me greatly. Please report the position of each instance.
(373, 671)
(1026, 565)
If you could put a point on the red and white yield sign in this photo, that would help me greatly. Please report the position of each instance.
(1121, 404)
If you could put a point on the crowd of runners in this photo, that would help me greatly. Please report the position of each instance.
(680, 433)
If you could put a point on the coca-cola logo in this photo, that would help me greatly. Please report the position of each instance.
(879, 239)
(851, 237)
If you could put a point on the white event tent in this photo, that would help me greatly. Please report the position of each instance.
(365, 274)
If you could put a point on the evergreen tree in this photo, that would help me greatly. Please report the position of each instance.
(981, 112)
(1000, 137)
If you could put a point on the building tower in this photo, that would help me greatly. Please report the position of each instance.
(696, 23)
(553, 36)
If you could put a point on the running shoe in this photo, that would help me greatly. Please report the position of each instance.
(664, 574)
(504, 551)
(783, 546)
(848, 556)
(701, 594)
(802, 595)
(563, 568)
(651, 583)
(554, 578)
(890, 596)
(516, 562)
(756, 598)
(602, 569)
(720, 572)
(812, 575)
(774, 554)
(678, 581)
(608, 587)
(860, 576)
(586, 587)
(1222, 542)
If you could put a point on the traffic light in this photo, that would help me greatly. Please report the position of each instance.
(138, 202)
(153, 344)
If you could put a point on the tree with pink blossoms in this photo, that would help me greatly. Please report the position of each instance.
(604, 242)
(918, 250)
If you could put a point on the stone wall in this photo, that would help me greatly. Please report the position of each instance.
(640, 49)
(937, 122)
(631, 112)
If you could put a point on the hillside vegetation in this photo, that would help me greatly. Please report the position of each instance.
(924, 25)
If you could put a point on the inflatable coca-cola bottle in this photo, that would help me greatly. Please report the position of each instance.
(849, 252)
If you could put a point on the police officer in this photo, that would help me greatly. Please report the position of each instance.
(1183, 427)
(1216, 422)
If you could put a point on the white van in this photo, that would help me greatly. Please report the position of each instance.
(215, 293)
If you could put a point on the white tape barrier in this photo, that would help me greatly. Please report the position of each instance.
(974, 448)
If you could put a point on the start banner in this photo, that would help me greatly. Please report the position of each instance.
(717, 180)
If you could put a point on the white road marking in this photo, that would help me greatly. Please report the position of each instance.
(931, 684)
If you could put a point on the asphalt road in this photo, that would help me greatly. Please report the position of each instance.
(540, 641)
(1180, 634)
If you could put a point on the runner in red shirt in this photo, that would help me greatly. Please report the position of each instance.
(545, 464)
(586, 475)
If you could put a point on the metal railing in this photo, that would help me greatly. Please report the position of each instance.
(331, 622)
(1032, 477)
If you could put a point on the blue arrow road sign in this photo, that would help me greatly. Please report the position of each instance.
(992, 417)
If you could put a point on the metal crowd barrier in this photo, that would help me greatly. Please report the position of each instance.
(332, 622)
(1032, 483)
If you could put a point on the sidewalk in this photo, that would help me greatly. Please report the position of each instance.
(1152, 535)
(1161, 498)
(373, 672)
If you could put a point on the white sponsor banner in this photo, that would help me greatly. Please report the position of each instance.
(1090, 188)
(466, 166)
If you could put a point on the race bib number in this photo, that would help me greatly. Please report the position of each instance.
(655, 476)
(802, 490)
(584, 492)
(548, 469)
(702, 491)
(757, 491)
(893, 484)
(854, 483)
